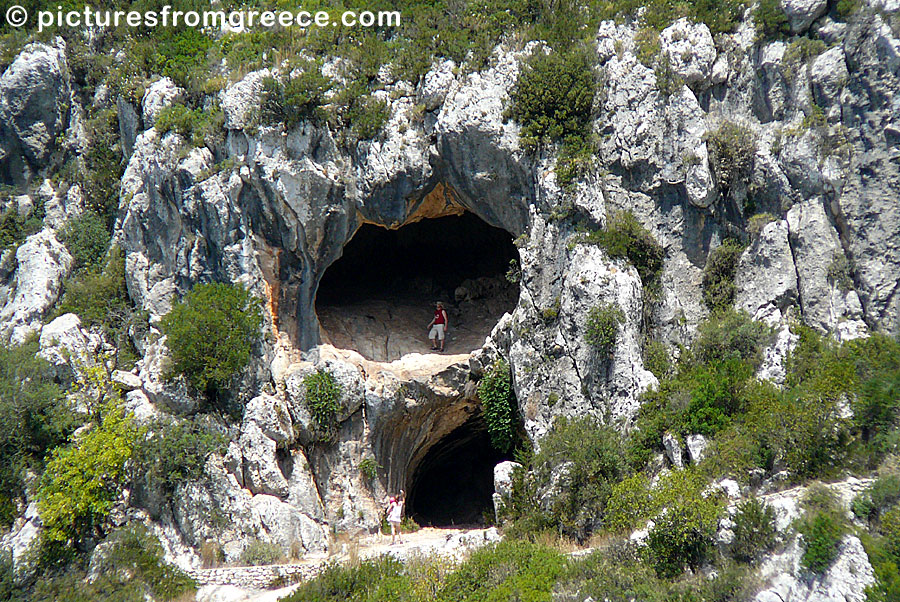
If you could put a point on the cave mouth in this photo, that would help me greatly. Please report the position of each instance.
(378, 298)
(453, 485)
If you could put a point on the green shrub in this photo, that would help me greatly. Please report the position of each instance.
(754, 530)
(14, 229)
(839, 272)
(717, 394)
(173, 452)
(591, 453)
(602, 327)
(101, 173)
(881, 495)
(683, 532)
(719, 273)
(647, 46)
(297, 99)
(210, 333)
(757, 222)
(10, 590)
(843, 9)
(257, 553)
(323, 399)
(731, 334)
(83, 480)
(34, 418)
(553, 97)
(197, 126)
(732, 149)
(630, 503)
(498, 402)
(87, 239)
(376, 580)
(823, 526)
(876, 363)
(407, 525)
(625, 238)
(509, 570)
(770, 20)
(576, 156)
(354, 109)
(368, 467)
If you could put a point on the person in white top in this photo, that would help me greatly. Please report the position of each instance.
(395, 516)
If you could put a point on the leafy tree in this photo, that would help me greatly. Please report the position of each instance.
(172, 452)
(499, 405)
(210, 333)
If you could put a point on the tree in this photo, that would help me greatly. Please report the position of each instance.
(210, 333)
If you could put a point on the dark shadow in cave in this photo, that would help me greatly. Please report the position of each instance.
(454, 482)
(379, 296)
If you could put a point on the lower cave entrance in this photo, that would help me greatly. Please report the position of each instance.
(454, 482)
(379, 296)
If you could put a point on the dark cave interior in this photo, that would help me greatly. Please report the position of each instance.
(453, 483)
(378, 297)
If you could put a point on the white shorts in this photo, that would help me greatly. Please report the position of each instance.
(437, 331)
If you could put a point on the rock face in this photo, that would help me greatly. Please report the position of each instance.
(34, 110)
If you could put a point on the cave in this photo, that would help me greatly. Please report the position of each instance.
(379, 296)
(454, 482)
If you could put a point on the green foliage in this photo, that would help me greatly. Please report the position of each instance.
(656, 358)
(83, 480)
(683, 534)
(717, 394)
(258, 553)
(173, 452)
(323, 399)
(129, 568)
(101, 173)
(876, 362)
(647, 46)
(822, 526)
(34, 418)
(14, 229)
(630, 503)
(754, 530)
(602, 327)
(732, 148)
(839, 272)
(591, 453)
(625, 238)
(771, 22)
(880, 496)
(407, 525)
(803, 49)
(498, 402)
(731, 334)
(87, 239)
(363, 114)
(299, 98)
(100, 298)
(757, 222)
(576, 156)
(378, 580)
(210, 333)
(718, 275)
(843, 9)
(197, 126)
(10, 591)
(553, 97)
(368, 467)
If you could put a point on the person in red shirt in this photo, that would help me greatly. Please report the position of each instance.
(439, 326)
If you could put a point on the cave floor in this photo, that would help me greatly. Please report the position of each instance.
(385, 330)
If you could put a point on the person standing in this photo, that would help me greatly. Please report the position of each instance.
(439, 327)
(395, 516)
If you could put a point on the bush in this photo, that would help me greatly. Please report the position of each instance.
(101, 174)
(323, 399)
(34, 418)
(876, 406)
(498, 402)
(881, 495)
(553, 97)
(683, 532)
(355, 109)
(656, 358)
(173, 452)
(630, 503)
(197, 126)
(14, 229)
(718, 275)
(754, 530)
(298, 99)
(377, 580)
(368, 468)
(625, 238)
(86, 239)
(770, 20)
(732, 149)
(823, 526)
(83, 480)
(731, 334)
(757, 222)
(509, 570)
(210, 333)
(602, 327)
(717, 394)
(258, 553)
(839, 272)
(589, 454)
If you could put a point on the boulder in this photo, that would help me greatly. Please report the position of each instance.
(766, 279)
(161, 94)
(690, 50)
(802, 13)
(673, 450)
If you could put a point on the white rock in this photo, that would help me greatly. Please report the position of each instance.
(766, 279)
(161, 94)
(43, 263)
(241, 100)
(690, 49)
(696, 448)
(673, 450)
(436, 84)
(802, 13)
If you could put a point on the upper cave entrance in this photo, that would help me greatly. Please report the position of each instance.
(454, 482)
(379, 296)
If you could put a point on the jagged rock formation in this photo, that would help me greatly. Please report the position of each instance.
(273, 208)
